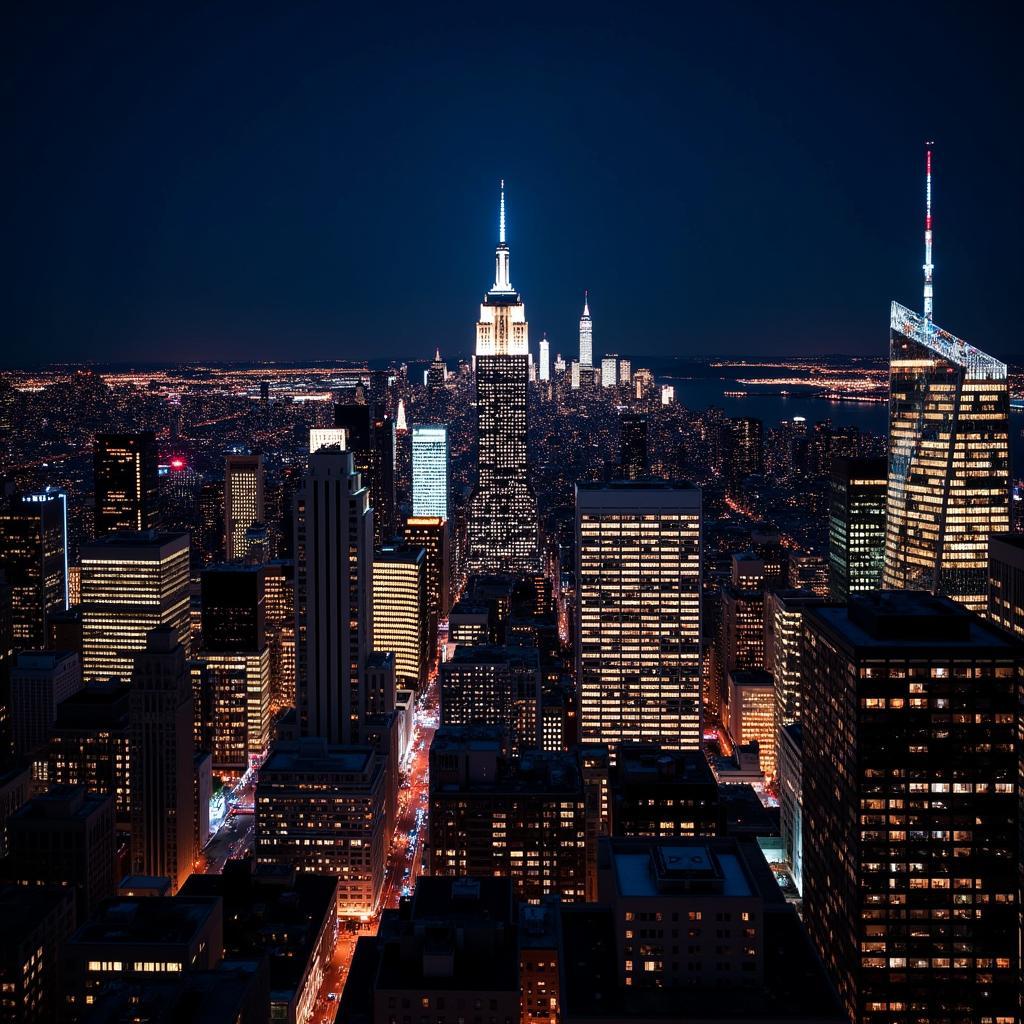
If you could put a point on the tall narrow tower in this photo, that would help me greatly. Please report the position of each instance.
(928, 266)
(503, 509)
(586, 335)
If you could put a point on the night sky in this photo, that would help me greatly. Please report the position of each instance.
(309, 181)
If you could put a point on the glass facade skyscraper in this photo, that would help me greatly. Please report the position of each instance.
(430, 461)
(856, 526)
(949, 478)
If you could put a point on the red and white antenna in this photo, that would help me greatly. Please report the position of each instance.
(928, 266)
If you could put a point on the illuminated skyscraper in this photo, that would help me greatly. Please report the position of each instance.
(431, 534)
(949, 483)
(125, 482)
(131, 583)
(503, 509)
(243, 502)
(745, 450)
(856, 526)
(586, 335)
(430, 470)
(610, 370)
(401, 610)
(638, 613)
(545, 358)
(911, 808)
(334, 609)
(34, 558)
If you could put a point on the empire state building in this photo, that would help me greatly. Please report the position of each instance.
(503, 509)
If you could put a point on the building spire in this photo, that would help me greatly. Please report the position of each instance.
(501, 277)
(928, 266)
(501, 215)
(586, 302)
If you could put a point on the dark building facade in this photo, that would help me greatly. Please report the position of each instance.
(125, 482)
(856, 526)
(911, 808)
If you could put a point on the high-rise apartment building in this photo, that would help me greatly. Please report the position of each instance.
(638, 613)
(40, 680)
(586, 361)
(431, 533)
(243, 502)
(131, 583)
(503, 509)
(633, 446)
(34, 558)
(911, 808)
(949, 481)
(333, 596)
(430, 470)
(401, 611)
(856, 525)
(783, 648)
(164, 840)
(125, 482)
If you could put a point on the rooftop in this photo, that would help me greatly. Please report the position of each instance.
(979, 365)
(147, 541)
(312, 754)
(147, 919)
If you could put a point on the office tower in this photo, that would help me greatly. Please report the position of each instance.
(372, 443)
(545, 359)
(380, 683)
(211, 522)
(431, 534)
(320, 808)
(808, 571)
(586, 337)
(430, 470)
(856, 526)
(745, 450)
(34, 556)
(575, 376)
(243, 502)
(125, 482)
(638, 613)
(643, 381)
(559, 365)
(633, 446)
(90, 744)
(37, 920)
(327, 437)
(495, 815)
(949, 484)
(66, 837)
(494, 686)
(610, 370)
(783, 648)
(164, 841)
(668, 394)
(333, 596)
(401, 612)
(741, 627)
(40, 680)
(503, 509)
(131, 583)
(1006, 581)
(791, 799)
(279, 589)
(291, 918)
(664, 794)
(625, 372)
(749, 713)
(911, 808)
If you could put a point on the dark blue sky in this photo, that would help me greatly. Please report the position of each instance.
(315, 181)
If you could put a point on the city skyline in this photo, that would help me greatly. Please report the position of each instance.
(714, 184)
